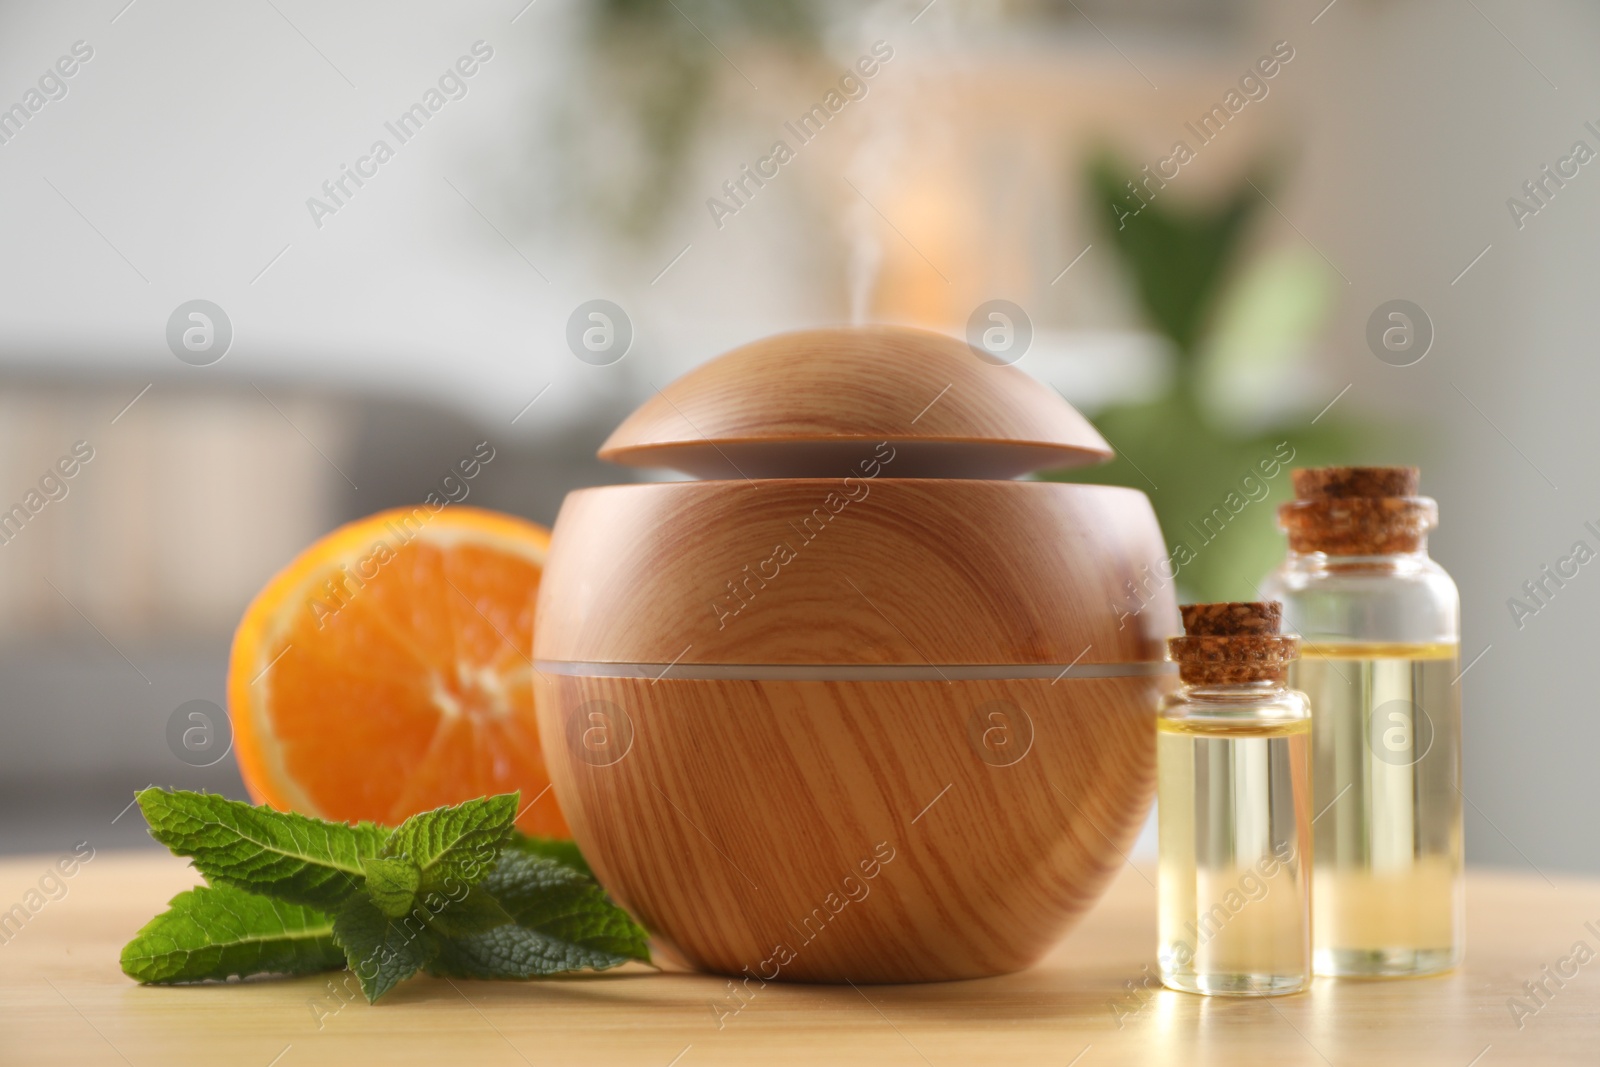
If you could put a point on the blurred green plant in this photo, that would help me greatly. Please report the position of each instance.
(654, 65)
(1214, 472)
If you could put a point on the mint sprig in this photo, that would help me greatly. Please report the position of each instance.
(455, 844)
(456, 891)
(381, 950)
(392, 884)
(220, 932)
(562, 922)
(288, 857)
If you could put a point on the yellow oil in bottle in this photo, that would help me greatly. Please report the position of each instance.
(1386, 732)
(1235, 842)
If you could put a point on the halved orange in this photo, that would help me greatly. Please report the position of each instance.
(388, 670)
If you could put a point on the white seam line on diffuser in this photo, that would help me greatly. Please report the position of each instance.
(97, 630)
(1117, 450)
(530, 403)
(1299, 231)
(932, 402)
(1503, 436)
(524, 11)
(673, 664)
(307, 440)
(1331, 803)
(896, 229)
(487, 1023)
(1332, 402)
(1113, 44)
(897, 629)
(1502, 833)
(268, 267)
(85, 1018)
(674, 263)
(280, 1055)
(697, 430)
(1125, 858)
(132, 402)
(530, 804)
(96, 229)
(1268, 1001)
(1481, 1055)
(1474, 263)
(493, 627)
(923, 12)
(713, 44)
(271, 665)
(1469, 666)
(705, 835)
(490, 223)
(689, 1046)
(1085, 1052)
(890, 1021)
(1069, 266)
(124, 10)
(931, 803)
(1073, 664)
(1324, 11)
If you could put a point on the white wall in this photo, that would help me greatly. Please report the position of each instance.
(1423, 120)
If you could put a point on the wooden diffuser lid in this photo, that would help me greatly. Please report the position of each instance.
(812, 403)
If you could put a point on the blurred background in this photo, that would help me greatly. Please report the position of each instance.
(1204, 306)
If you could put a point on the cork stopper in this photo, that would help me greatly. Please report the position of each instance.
(1315, 482)
(1233, 643)
(1232, 618)
(1357, 511)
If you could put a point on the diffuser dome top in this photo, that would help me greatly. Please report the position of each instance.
(815, 403)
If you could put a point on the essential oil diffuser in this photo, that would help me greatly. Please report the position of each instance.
(854, 706)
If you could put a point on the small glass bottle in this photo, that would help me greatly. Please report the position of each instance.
(1380, 628)
(1233, 758)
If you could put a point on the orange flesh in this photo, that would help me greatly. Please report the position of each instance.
(407, 684)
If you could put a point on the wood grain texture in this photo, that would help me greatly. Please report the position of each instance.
(853, 831)
(802, 403)
(67, 1003)
(912, 571)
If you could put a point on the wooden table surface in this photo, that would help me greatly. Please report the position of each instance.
(63, 1000)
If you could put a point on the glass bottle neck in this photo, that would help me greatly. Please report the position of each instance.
(1237, 693)
(1385, 563)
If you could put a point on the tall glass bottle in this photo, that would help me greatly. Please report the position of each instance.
(1233, 758)
(1380, 662)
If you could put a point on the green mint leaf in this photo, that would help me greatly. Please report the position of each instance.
(293, 858)
(552, 898)
(217, 932)
(564, 922)
(383, 952)
(474, 913)
(455, 846)
(515, 952)
(391, 883)
(564, 852)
